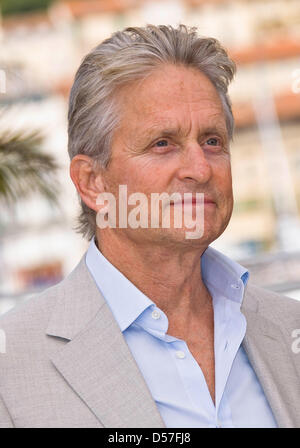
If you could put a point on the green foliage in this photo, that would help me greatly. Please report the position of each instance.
(23, 6)
(24, 169)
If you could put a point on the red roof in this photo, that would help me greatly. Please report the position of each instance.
(80, 8)
(282, 48)
(287, 107)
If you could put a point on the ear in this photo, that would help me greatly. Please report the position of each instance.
(87, 180)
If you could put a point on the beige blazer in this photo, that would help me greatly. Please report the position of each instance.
(66, 363)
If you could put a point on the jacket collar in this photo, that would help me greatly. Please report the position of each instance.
(96, 362)
(78, 300)
(269, 352)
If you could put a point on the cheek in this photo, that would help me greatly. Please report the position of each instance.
(223, 182)
(228, 195)
(223, 173)
(124, 174)
(145, 176)
(227, 184)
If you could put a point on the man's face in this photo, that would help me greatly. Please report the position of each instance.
(173, 138)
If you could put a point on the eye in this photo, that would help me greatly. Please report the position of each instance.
(213, 141)
(214, 144)
(161, 143)
(162, 146)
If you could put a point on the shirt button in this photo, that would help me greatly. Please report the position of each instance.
(235, 286)
(180, 354)
(155, 314)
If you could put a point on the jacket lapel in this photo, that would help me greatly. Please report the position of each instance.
(270, 356)
(96, 362)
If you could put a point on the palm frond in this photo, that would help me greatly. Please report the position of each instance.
(25, 169)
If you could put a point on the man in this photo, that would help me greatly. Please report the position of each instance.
(152, 328)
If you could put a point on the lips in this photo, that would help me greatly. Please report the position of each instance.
(193, 201)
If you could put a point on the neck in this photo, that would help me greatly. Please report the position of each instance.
(168, 276)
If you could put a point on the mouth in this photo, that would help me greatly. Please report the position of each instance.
(193, 201)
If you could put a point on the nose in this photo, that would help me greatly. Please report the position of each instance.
(194, 165)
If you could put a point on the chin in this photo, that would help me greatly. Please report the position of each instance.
(178, 238)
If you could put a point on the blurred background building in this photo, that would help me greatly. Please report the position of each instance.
(41, 45)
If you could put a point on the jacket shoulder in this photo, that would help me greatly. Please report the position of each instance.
(35, 310)
(271, 304)
(32, 314)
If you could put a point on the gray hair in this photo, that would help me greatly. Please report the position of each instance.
(127, 56)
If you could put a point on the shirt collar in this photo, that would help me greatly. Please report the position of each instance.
(127, 302)
(223, 274)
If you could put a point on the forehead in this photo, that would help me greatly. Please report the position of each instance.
(171, 96)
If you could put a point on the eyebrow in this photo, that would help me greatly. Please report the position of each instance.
(156, 132)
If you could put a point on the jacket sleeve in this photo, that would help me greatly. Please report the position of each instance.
(5, 419)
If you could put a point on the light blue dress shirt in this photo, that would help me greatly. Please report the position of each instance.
(173, 376)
